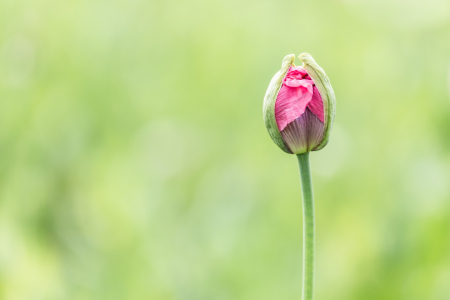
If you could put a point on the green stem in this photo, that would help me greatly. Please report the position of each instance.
(308, 226)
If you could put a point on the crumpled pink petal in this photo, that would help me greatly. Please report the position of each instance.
(291, 104)
(297, 92)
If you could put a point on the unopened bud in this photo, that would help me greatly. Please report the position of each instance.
(299, 106)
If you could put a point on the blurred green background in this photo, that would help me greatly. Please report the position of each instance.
(134, 162)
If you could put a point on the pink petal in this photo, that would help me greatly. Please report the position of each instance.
(297, 71)
(291, 103)
(297, 92)
(294, 76)
(293, 82)
(298, 82)
(316, 105)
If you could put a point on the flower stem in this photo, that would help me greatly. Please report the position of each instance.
(308, 225)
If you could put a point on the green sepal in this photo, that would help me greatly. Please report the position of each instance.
(323, 84)
(269, 103)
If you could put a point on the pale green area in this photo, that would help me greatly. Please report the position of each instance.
(134, 161)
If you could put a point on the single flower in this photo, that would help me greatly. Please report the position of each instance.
(299, 106)
(298, 112)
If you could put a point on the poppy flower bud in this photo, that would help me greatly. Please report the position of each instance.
(299, 106)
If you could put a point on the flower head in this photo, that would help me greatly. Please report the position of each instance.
(299, 106)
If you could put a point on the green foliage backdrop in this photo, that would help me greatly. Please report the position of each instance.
(134, 163)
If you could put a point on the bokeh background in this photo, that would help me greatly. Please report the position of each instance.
(134, 162)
